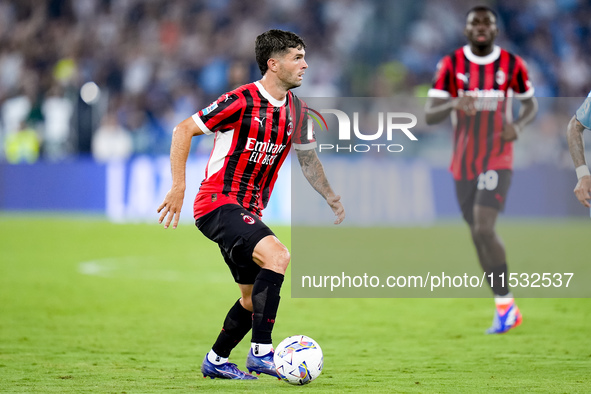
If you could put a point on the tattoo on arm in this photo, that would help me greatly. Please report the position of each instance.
(576, 144)
(314, 172)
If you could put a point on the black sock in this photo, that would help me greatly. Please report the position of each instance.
(499, 279)
(237, 324)
(265, 302)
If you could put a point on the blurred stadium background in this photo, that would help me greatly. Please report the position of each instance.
(90, 90)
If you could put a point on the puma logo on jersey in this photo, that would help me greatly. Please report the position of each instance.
(463, 77)
(259, 120)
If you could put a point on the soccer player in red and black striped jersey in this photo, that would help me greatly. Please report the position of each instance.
(254, 127)
(475, 85)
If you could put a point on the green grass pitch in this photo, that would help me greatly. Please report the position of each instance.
(90, 306)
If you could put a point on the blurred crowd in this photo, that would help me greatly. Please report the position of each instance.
(111, 78)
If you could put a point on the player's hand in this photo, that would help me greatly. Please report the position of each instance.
(170, 209)
(337, 208)
(510, 132)
(466, 104)
(583, 190)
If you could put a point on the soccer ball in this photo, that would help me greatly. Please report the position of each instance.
(298, 359)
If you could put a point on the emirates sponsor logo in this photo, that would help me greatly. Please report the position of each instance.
(263, 152)
(486, 99)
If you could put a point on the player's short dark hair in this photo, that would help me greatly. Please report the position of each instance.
(275, 42)
(486, 8)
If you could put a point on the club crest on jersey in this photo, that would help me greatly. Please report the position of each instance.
(500, 77)
(247, 219)
(290, 128)
(210, 108)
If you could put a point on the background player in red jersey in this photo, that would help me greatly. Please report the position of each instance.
(254, 127)
(475, 84)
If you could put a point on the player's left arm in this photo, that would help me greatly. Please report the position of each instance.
(576, 146)
(524, 91)
(314, 173)
(527, 113)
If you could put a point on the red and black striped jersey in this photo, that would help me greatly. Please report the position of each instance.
(493, 80)
(253, 134)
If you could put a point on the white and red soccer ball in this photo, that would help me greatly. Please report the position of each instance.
(298, 359)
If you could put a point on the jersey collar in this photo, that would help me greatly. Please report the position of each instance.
(491, 57)
(267, 95)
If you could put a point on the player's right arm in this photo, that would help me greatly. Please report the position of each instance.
(437, 109)
(170, 209)
(443, 95)
(576, 146)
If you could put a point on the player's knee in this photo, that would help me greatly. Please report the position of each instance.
(285, 258)
(279, 260)
(273, 256)
(483, 233)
